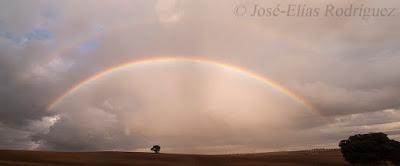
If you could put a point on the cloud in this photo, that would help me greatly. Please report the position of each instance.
(332, 100)
(168, 11)
(372, 118)
(22, 137)
(88, 46)
(73, 132)
(35, 34)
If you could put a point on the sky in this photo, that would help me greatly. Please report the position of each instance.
(345, 67)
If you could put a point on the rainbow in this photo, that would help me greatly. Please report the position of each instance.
(230, 67)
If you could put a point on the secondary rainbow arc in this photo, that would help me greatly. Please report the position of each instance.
(227, 66)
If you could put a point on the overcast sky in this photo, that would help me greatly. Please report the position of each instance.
(347, 68)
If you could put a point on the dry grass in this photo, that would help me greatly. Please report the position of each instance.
(299, 158)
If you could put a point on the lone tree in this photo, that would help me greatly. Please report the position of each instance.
(156, 148)
(370, 149)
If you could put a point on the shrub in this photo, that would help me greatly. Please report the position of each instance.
(373, 148)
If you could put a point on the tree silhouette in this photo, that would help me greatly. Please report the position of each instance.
(156, 148)
(373, 148)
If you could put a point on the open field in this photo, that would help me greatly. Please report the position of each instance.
(298, 158)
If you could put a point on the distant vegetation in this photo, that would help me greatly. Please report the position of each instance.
(370, 149)
(156, 149)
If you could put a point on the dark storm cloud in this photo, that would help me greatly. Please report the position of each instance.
(23, 96)
(102, 133)
(26, 82)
